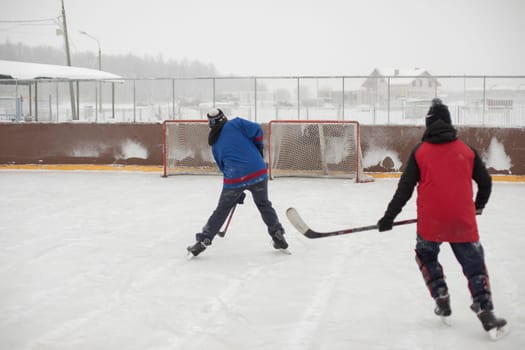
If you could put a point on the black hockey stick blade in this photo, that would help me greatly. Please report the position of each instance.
(302, 227)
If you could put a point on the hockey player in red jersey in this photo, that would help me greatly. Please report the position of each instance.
(443, 167)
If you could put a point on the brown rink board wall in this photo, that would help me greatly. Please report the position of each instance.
(81, 143)
(141, 144)
(402, 139)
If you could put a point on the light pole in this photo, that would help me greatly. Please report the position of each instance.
(99, 68)
(99, 50)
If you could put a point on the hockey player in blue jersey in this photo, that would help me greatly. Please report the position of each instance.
(237, 147)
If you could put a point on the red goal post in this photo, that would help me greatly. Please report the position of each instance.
(315, 148)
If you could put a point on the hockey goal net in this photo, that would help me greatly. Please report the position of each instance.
(321, 148)
(186, 149)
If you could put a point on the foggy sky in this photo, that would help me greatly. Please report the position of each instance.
(290, 37)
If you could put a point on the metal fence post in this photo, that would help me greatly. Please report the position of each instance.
(173, 98)
(113, 100)
(134, 102)
(78, 100)
(255, 97)
(484, 100)
(388, 101)
(213, 84)
(36, 101)
(343, 98)
(18, 114)
(298, 100)
(57, 100)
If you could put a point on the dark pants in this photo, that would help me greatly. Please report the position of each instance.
(471, 257)
(229, 197)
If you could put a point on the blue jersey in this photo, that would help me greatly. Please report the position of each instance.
(237, 153)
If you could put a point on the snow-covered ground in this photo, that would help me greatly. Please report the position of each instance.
(96, 260)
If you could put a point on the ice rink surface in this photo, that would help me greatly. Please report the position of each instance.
(96, 260)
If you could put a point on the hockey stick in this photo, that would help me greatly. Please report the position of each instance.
(303, 228)
(223, 233)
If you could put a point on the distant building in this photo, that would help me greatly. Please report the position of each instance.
(398, 86)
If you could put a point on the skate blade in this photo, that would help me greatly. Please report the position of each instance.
(281, 250)
(189, 254)
(446, 320)
(498, 333)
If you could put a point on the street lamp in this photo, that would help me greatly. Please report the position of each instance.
(99, 68)
(99, 50)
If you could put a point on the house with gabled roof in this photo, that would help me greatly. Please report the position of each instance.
(397, 85)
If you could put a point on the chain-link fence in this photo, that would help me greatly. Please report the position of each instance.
(473, 100)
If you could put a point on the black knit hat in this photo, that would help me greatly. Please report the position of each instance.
(215, 116)
(438, 111)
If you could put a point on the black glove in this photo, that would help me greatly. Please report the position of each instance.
(385, 223)
(241, 198)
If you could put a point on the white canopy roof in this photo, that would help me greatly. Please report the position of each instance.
(28, 71)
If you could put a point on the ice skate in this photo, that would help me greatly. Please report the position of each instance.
(197, 248)
(278, 241)
(495, 327)
(442, 308)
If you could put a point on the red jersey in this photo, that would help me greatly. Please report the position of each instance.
(443, 168)
(445, 203)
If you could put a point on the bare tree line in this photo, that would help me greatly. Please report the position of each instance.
(128, 65)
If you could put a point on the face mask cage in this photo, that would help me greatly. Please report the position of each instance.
(213, 122)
